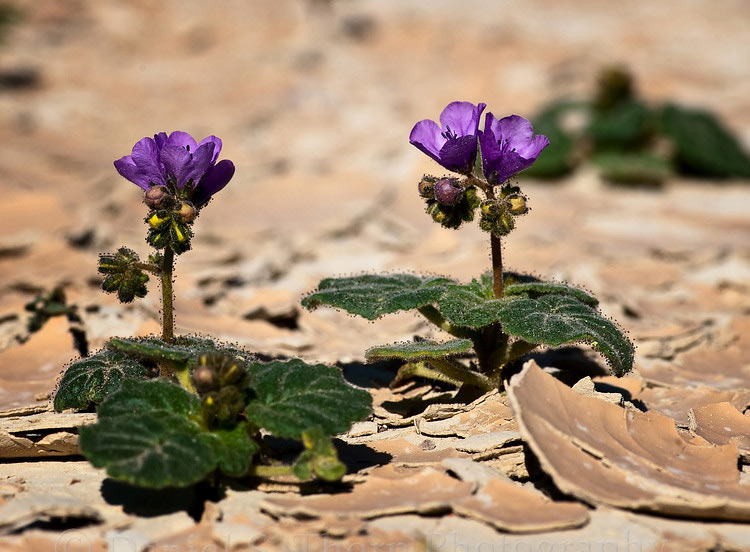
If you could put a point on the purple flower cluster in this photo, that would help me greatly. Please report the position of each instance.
(187, 168)
(507, 145)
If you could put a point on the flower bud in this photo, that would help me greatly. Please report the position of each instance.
(490, 208)
(448, 191)
(436, 212)
(186, 211)
(426, 187)
(157, 220)
(517, 204)
(157, 197)
(204, 379)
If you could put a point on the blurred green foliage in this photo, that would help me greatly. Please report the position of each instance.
(9, 16)
(632, 142)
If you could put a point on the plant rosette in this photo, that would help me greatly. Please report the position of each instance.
(501, 316)
(173, 411)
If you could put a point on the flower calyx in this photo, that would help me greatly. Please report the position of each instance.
(123, 274)
(171, 226)
(221, 382)
(450, 202)
(158, 197)
(498, 214)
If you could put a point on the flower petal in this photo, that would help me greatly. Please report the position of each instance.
(515, 129)
(127, 168)
(462, 118)
(458, 154)
(426, 137)
(146, 158)
(508, 146)
(160, 139)
(183, 139)
(216, 141)
(177, 163)
(216, 178)
(535, 147)
(199, 164)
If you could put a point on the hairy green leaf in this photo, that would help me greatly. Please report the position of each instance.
(153, 348)
(150, 450)
(373, 295)
(155, 397)
(293, 396)
(234, 449)
(472, 305)
(419, 350)
(558, 319)
(537, 289)
(91, 379)
(549, 314)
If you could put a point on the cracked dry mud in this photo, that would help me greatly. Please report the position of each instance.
(314, 101)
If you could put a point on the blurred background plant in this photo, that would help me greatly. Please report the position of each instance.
(633, 142)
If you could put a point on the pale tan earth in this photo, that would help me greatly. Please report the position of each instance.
(314, 101)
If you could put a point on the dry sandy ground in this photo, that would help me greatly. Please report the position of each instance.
(314, 101)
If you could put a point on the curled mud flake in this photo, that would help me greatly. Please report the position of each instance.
(604, 454)
(721, 424)
(388, 491)
(510, 507)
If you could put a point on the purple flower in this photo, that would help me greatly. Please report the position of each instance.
(189, 169)
(508, 146)
(454, 145)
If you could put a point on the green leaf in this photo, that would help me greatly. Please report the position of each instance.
(155, 349)
(372, 295)
(472, 305)
(562, 315)
(419, 350)
(149, 434)
(537, 289)
(703, 145)
(558, 319)
(319, 457)
(122, 276)
(292, 397)
(90, 380)
(157, 451)
(234, 449)
(155, 397)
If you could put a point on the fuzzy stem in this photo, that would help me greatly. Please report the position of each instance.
(148, 267)
(497, 266)
(460, 374)
(183, 376)
(167, 298)
(271, 471)
(434, 316)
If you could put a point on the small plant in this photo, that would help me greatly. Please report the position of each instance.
(176, 410)
(500, 316)
(632, 142)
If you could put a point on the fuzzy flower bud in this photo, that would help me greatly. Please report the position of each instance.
(448, 191)
(204, 379)
(517, 204)
(157, 197)
(427, 187)
(186, 211)
(490, 208)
